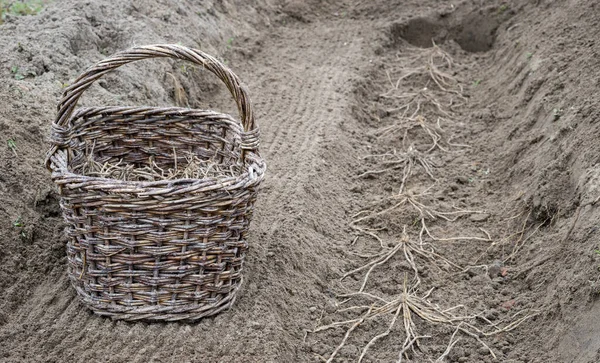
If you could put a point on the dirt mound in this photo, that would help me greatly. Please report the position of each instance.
(432, 188)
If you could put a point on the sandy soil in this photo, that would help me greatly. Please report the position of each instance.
(477, 150)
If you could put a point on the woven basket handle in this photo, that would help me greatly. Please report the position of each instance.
(238, 90)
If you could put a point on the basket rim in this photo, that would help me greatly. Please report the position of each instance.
(70, 97)
(253, 174)
(254, 165)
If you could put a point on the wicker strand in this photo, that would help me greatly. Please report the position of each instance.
(238, 91)
(158, 250)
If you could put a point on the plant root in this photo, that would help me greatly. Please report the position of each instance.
(435, 64)
(414, 201)
(418, 102)
(405, 161)
(408, 304)
(409, 249)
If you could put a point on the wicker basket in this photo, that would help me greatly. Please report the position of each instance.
(156, 250)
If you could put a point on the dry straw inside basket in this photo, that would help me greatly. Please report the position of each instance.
(192, 167)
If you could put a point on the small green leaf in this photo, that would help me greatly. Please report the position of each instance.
(18, 222)
(28, 7)
(12, 145)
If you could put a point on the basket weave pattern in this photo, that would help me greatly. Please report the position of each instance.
(156, 250)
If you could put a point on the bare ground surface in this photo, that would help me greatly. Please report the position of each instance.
(453, 183)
